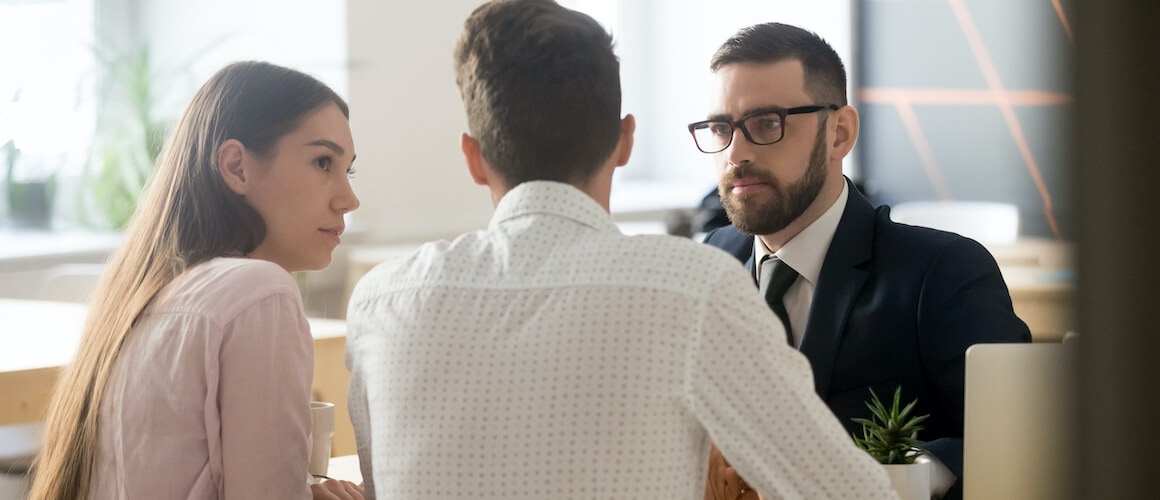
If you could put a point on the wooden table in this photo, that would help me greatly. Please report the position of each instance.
(37, 338)
(1044, 299)
(1040, 273)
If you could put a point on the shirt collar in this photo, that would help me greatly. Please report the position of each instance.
(806, 252)
(552, 198)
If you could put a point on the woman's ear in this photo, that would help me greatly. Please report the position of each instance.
(231, 166)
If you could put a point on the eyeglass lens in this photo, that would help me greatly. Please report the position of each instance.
(760, 129)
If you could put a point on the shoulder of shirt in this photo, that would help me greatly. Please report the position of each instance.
(674, 251)
(662, 260)
(226, 286)
(398, 272)
(667, 246)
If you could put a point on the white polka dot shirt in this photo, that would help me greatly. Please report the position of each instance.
(551, 356)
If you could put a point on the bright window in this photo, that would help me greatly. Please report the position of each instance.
(46, 85)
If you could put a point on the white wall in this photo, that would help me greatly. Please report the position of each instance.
(407, 120)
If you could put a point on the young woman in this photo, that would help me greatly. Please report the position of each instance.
(192, 379)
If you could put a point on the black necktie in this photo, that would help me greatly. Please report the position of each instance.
(776, 277)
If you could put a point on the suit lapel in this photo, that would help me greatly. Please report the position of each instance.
(839, 283)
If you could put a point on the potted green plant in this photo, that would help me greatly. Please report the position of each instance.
(133, 120)
(131, 134)
(891, 437)
(30, 195)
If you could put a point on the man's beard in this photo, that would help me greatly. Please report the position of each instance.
(786, 205)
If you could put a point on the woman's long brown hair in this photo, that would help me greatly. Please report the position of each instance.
(187, 216)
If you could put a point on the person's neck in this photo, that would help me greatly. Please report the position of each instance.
(825, 199)
(599, 188)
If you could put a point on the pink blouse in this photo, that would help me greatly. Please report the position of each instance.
(209, 396)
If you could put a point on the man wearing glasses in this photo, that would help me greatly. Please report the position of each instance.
(871, 303)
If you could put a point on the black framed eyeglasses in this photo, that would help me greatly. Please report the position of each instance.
(762, 127)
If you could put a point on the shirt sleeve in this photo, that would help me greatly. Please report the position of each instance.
(267, 363)
(359, 416)
(361, 343)
(755, 397)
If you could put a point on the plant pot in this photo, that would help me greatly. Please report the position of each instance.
(30, 204)
(911, 481)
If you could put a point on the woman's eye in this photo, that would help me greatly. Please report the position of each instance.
(350, 173)
(323, 162)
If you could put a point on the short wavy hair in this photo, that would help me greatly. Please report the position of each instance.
(541, 88)
(825, 74)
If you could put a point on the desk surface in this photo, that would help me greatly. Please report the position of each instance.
(41, 334)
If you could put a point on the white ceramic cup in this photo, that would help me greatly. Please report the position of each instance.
(321, 432)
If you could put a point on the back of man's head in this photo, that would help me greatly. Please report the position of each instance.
(825, 74)
(541, 87)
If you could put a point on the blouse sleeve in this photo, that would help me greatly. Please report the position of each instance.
(267, 362)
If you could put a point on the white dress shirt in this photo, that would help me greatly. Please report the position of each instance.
(805, 253)
(551, 356)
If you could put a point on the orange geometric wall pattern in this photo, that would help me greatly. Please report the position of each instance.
(967, 100)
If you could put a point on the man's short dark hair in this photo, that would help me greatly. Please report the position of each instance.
(825, 76)
(541, 87)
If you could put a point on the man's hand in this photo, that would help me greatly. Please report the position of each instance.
(724, 483)
(337, 489)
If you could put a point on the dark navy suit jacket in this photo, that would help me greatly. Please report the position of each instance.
(898, 305)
